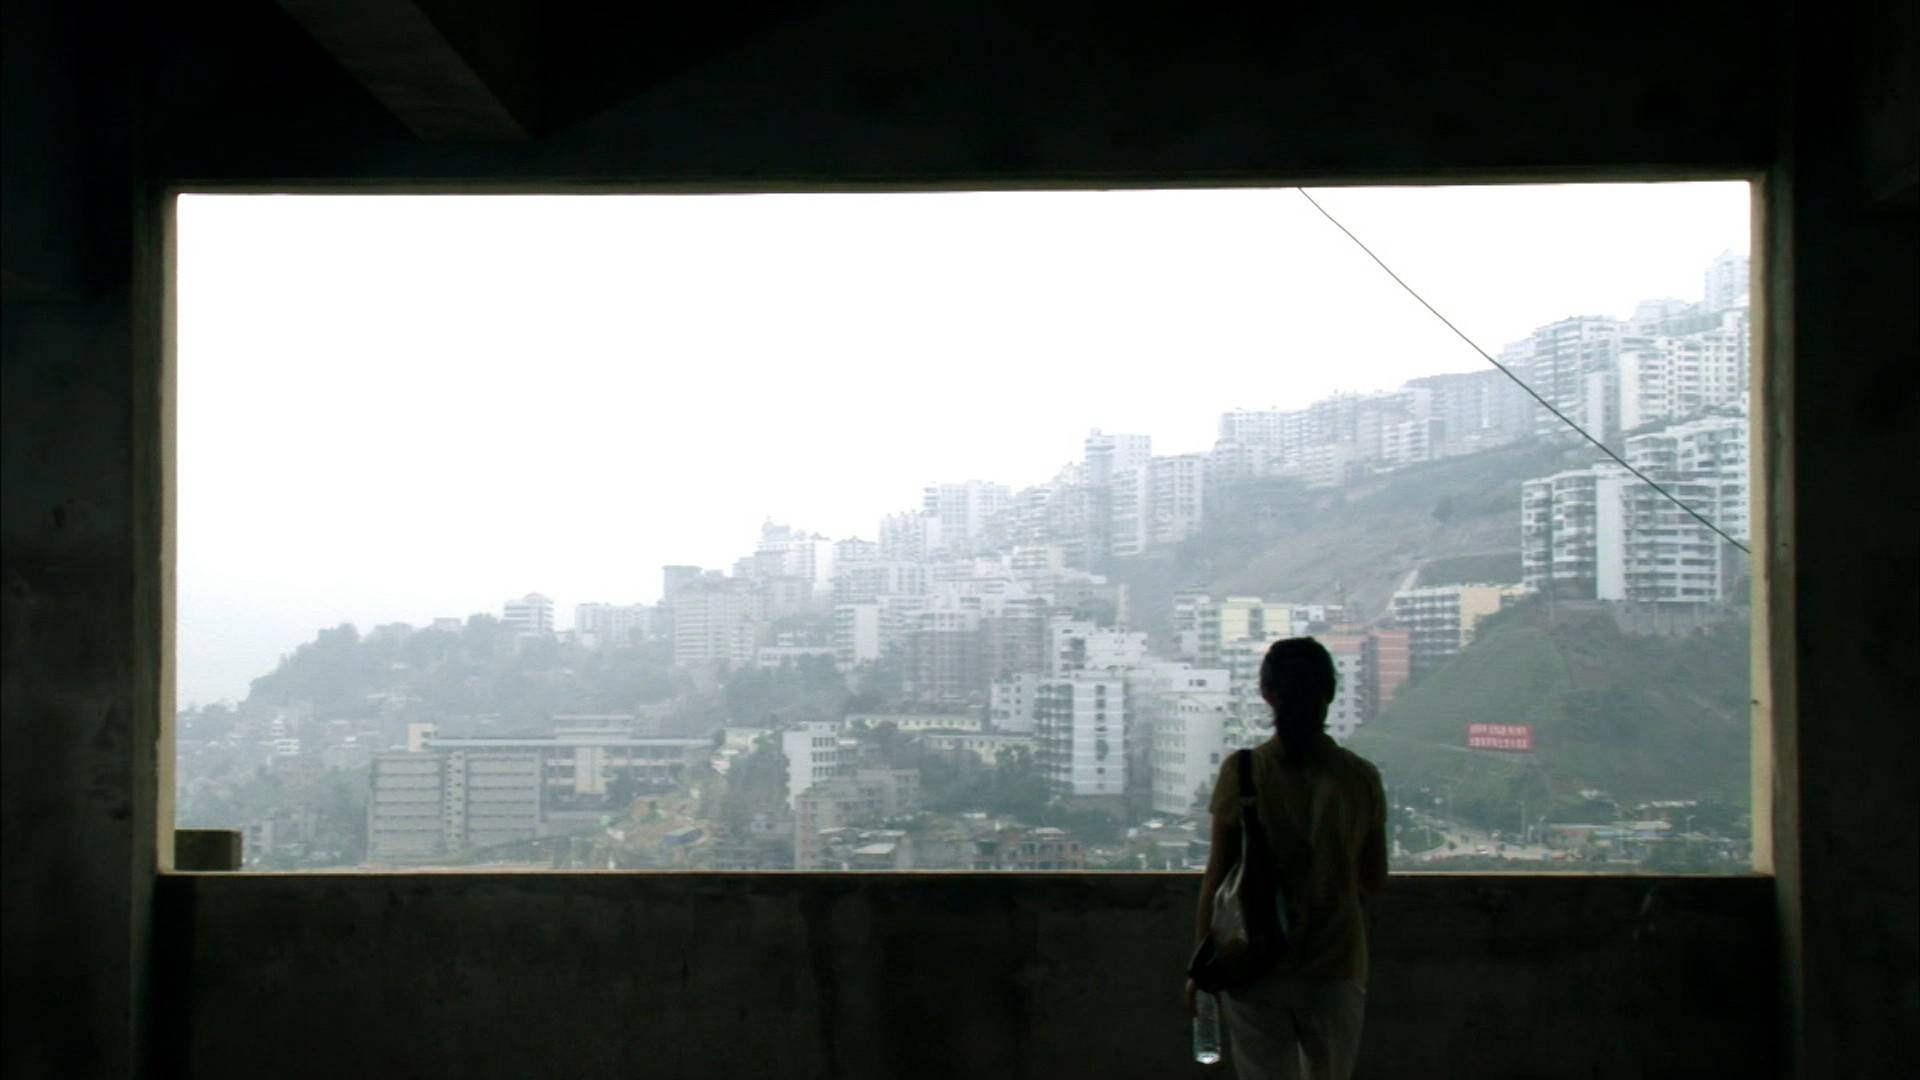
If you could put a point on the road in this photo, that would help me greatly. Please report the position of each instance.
(1468, 841)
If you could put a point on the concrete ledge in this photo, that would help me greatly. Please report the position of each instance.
(851, 975)
(207, 849)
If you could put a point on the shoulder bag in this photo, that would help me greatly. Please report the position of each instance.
(1249, 932)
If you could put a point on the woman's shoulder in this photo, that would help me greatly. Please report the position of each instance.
(1356, 765)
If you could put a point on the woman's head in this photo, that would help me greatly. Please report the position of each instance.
(1297, 680)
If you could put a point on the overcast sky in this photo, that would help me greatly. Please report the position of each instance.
(393, 408)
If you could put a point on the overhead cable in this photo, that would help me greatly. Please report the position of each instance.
(1521, 383)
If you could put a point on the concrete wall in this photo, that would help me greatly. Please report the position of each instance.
(105, 107)
(1011, 976)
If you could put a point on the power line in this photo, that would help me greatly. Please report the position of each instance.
(1521, 383)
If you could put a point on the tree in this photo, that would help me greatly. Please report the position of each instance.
(756, 783)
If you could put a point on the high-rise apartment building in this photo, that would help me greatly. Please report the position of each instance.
(1440, 620)
(1219, 623)
(1114, 521)
(1108, 455)
(1176, 497)
(1129, 511)
(1183, 711)
(814, 756)
(531, 614)
(1080, 724)
(611, 625)
(1348, 709)
(1598, 533)
(793, 553)
(1389, 664)
(1711, 449)
(716, 620)
(974, 516)
(1727, 282)
(1476, 410)
(1573, 364)
(867, 582)
(1113, 649)
(914, 536)
(1667, 378)
(856, 634)
(1012, 702)
(944, 659)
(1015, 640)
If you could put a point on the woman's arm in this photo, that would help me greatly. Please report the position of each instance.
(1373, 860)
(1373, 846)
(1226, 848)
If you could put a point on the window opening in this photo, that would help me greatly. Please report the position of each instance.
(946, 531)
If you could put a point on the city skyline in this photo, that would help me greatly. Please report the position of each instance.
(238, 612)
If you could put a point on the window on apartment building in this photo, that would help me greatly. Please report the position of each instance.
(660, 532)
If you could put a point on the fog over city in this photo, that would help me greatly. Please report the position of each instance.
(393, 408)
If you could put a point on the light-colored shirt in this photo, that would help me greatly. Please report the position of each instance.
(1317, 813)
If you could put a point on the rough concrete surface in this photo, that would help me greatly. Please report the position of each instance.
(908, 975)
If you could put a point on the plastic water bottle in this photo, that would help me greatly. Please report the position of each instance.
(1206, 1029)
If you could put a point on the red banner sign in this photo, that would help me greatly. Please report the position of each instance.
(1500, 736)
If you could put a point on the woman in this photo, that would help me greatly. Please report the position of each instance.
(1325, 816)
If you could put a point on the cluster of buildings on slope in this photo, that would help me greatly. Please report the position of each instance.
(987, 602)
(1670, 360)
(981, 558)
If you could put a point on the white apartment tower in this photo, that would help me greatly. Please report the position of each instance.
(1664, 378)
(972, 515)
(856, 634)
(1727, 284)
(531, 614)
(1012, 702)
(1218, 624)
(1175, 497)
(1599, 533)
(1080, 725)
(1184, 711)
(813, 756)
(715, 621)
(1130, 511)
(610, 625)
(1108, 455)
(912, 536)
(1710, 449)
(1572, 363)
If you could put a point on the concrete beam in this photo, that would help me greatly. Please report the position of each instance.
(440, 87)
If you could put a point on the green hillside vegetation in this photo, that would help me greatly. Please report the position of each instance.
(1454, 520)
(1641, 719)
(479, 670)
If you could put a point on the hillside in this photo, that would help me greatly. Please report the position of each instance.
(1639, 718)
(1454, 520)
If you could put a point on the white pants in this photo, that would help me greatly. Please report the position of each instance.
(1285, 1028)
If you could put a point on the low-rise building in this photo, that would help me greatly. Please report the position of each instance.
(822, 811)
(1027, 848)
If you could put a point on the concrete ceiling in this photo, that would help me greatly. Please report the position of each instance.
(505, 71)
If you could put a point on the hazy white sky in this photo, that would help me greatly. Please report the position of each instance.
(398, 407)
